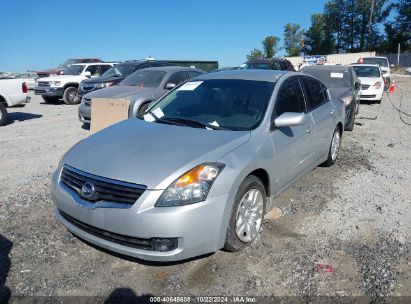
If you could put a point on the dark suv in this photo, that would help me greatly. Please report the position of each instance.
(269, 64)
(117, 73)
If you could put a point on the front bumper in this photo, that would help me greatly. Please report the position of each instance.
(49, 91)
(372, 94)
(200, 228)
(84, 113)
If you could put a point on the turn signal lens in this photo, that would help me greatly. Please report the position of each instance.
(192, 187)
(347, 100)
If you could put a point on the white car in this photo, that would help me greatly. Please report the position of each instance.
(384, 65)
(12, 92)
(28, 78)
(372, 81)
(66, 85)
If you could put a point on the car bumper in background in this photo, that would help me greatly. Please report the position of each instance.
(49, 91)
(372, 94)
(84, 113)
(197, 229)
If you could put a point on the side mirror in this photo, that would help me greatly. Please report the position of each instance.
(87, 74)
(289, 119)
(170, 86)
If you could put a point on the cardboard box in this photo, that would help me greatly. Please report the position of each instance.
(107, 111)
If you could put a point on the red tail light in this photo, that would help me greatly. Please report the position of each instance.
(360, 60)
(24, 87)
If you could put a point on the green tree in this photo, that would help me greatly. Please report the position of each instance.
(271, 46)
(334, 16)
(399, 31)
(293, 34)
(255, 54)
(318, 38)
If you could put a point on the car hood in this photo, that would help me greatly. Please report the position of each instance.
(151, 154)
(341, 92)
(103, 79)
(62, 78)
(117, 92)
(369, 80)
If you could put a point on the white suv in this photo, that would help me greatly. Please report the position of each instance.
(66, 85)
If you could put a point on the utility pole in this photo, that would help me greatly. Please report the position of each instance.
(398, 55)
(370, 23)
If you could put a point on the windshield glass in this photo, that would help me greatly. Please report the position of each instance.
(144, 78)
(74, 70)
(382, 62)
(120, 71)
(256, 65)
(223, 103)
(332, 79)
(68, 62)
(366, 71)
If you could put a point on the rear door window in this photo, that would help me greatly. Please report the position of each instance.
(289, 98)
(315, 93)
(178, 77)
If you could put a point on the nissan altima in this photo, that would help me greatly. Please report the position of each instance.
(197, 172)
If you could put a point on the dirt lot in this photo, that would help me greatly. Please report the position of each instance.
(354, 217)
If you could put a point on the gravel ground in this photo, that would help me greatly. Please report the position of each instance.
(345, 231)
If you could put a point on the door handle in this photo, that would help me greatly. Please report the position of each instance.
(309, 128)
(332, 113)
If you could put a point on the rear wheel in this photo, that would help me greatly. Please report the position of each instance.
(246, 218)
(48, 99)
(3, 115)
(71, 96)
(334, 148)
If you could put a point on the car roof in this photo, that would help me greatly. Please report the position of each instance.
(173, 68)
(366, 64)
(375, 57)
(93, 63)
(327, 67)
(258, 75)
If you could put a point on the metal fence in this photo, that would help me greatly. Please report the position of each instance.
(405, 59)
(342, 59)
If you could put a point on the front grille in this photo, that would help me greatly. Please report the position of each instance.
(100, 188)
(368, 96)
(146, 244)
(87, 102)
(365, 86)
(43, 83)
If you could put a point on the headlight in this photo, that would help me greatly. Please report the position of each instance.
(377, 85)
(54, 83)
(103, 85)
(192, 187)
(347, 100)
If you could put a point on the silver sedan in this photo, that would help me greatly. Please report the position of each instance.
(198, 171)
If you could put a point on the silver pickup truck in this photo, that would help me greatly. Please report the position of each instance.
(12, 92)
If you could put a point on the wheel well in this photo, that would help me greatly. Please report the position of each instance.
(265, 179)
(70, 85)
(3, 101)
(340, 126)
(142, 104)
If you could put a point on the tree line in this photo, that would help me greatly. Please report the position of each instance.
(346, 26)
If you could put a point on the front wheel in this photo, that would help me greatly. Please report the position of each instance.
(71, 96)
(246, 218)
(334, 148)
(3, 115)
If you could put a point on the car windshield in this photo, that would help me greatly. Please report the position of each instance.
(120, 71)
(74, 70)
(331, 78)
(256, 65)
(144, 78)
(366, 71)
(68, 62)
(229, 104)
(382, 62)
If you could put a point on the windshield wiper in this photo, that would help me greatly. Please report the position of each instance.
(162, 120)
(185, 121)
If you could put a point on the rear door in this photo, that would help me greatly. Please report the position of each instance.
(322, 112)
(292, 149)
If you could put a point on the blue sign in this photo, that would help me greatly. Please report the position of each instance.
(315, 59)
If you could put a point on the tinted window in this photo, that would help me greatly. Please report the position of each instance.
(93, 69)
(316, 93)
(73, 70)
(290, 98)
(380, 61)
(104, 68)
(178, 77)
(367, 71)
(144, 78)
(120, 70)
(257, 65)
(194, 74)
(228, 103)
(333, 78)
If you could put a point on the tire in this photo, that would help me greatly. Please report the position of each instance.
(71, 96)
(3, 115)
(378, 101)
(350, 124)
(49, 99)
(251, 215)
(334, 148)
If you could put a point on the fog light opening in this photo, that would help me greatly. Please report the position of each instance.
(164, 245)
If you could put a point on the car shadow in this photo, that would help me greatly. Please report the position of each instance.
(127, 295)
(21, 116)
(86, 126)
(55, 103)
(5, 264)
(140, 261)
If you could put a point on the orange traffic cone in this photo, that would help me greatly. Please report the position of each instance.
(392, 87)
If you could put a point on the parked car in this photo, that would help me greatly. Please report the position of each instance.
(66, 85)
(268, 64)
(199, 171)
(140, 88)
(383, 63)
(12, 92)
(372, 82)
(28, 78)
(343, 83)
(59, 70)
(117, 73)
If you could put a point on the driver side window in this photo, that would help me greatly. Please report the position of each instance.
(289, 98)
